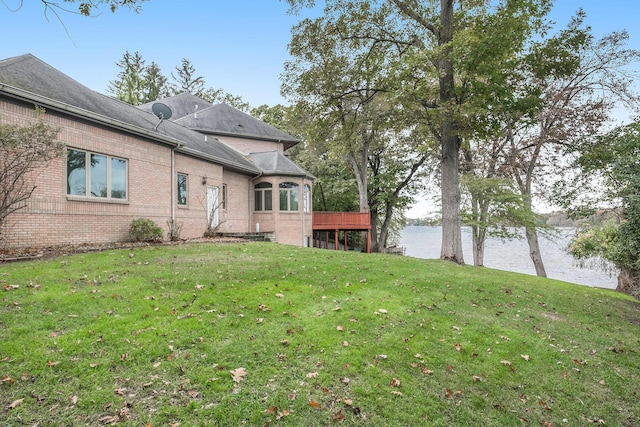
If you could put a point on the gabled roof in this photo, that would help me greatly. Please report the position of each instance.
(220, 119)
(29, 79)
(275, 163)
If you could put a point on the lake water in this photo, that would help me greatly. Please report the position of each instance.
(511, 255)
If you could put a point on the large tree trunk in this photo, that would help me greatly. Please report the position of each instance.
(629, 282)
(360, 173)
(450, 145)
(450, 192)
(534, 251)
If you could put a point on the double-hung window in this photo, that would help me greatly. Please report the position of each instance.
(263, 197)
(96, 175)
(306, 198)
(288, 196)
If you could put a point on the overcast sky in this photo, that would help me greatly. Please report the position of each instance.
(237, 45)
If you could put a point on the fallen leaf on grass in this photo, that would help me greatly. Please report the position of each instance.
(450, 394)
(505, 362)
(339, 416)
(525, 357)
(238, 374)
(282, 414)
(8, 379)
(14, 404)
(312, 375)
(314, 404)
(544, 405)
(109, 419)
(395, 382)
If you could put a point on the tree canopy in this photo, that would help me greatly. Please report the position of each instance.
(613, 161)
(84, 7)
(443, 66)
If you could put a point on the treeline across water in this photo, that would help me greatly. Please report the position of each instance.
(512, 255)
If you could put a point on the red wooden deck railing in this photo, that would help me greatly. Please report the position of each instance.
(341, 221)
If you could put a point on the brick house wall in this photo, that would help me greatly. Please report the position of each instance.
(289, 227)
(51, 217)
(236, 215)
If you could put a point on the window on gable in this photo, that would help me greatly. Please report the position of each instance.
(288, 196)
(96, 175)
(263, 197)
(182, 189)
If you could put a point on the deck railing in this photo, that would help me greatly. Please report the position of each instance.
(341, 221)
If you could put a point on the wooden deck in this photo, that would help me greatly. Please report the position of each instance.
(340, 221)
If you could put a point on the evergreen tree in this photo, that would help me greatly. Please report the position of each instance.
(185, 80)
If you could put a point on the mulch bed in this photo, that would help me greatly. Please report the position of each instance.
(29, 253)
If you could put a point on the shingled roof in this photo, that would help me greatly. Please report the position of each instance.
(29, 79)
(220, 119)
(274, 163)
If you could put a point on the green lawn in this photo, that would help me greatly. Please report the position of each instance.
(264, 334)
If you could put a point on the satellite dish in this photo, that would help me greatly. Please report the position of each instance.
(161, 111)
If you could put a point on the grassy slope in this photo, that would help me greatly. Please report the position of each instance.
(154, 336)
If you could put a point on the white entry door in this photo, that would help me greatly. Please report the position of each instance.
(212, 207)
